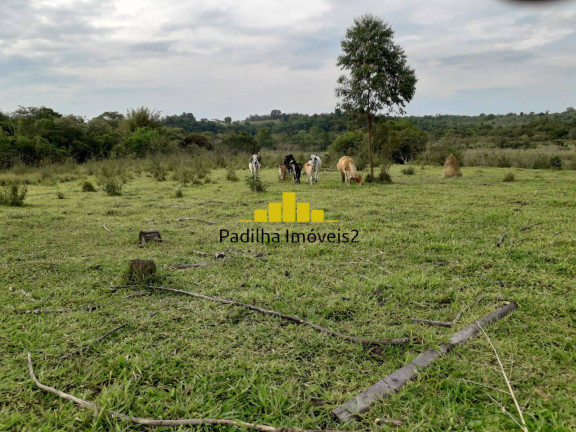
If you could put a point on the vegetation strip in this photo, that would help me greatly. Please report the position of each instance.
(386, 341)
(161, 422)
(49, 311)
(396, 380)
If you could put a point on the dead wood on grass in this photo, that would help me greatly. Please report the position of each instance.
(397, 379)
(94, 342)
(51, 311)
(369, 342)
(449, 323)
(158, 422)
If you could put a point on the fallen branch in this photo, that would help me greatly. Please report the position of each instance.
(501, 240)
(396, 380)
(386, 341)
(49, 311)
(259, 255)
(153, 422)
(95, 341)
(196, 219)
(524, 228)
(448, 323)
(195, 265)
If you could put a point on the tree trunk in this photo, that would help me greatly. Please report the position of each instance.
(369, 121)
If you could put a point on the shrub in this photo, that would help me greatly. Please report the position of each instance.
(88, 187)
(555, 162)
(113, 186)
(231, 175)
(408, 170)
(158, 171)
(60, 195)
(384, 176)
(509, 177)
(13, 193)
(179, 193)
(255, 184)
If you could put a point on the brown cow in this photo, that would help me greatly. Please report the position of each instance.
(348, 170)
(309, 170)
(282, 172)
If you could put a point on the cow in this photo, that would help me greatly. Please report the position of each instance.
(288, 159)
(254, 165)
(309, 170)
(348, 170)
(293, 168)
(316, 164)
(282, 172)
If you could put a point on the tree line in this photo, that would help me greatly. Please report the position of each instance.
(36, 135)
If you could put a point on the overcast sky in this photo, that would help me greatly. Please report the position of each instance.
(217, 58)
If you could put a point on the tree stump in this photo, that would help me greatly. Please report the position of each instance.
(148, 236)
(141, 270)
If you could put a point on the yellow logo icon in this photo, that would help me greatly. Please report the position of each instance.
(288, 211)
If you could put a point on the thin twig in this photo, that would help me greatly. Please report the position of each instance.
(194, 265)
(524, 228)
(154, 422)
(49, 311)
(505, 411)
(195, 219)
(501, 240)
(104, 226)
(448, 323)
(95, 341)
(524, 428)
(388, 341)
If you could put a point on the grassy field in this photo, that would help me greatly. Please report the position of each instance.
(427, 248)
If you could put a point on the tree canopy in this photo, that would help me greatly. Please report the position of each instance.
(378, 76)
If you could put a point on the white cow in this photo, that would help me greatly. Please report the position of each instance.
(254, 165)
(316, 164)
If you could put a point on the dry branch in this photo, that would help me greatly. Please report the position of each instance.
(106, 228)
(95, 341)
(49, 311)
(396, 380)
(153, 422)
(195, 219)
(501, 240)
(194, 265)
(449, 323)
(524, 228)
(386, 341)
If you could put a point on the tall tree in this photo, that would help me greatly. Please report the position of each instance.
(379, 77)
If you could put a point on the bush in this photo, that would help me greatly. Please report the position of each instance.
(179, 193)
(231, 175)
(88, 187)
(408, 170)
(60, 195)
(255, 184)
(113, 187)
(509, 177)
(13, 194)
(555, 162)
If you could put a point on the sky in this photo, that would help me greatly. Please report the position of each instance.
(218, 58)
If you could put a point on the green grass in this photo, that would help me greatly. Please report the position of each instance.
(427, 248)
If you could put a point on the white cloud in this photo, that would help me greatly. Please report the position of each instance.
(224, 57)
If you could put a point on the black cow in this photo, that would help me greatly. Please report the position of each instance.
(293, 168)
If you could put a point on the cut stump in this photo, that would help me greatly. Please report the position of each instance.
(141, 270)
(149, 236)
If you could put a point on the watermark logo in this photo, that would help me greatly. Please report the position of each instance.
(289, 211)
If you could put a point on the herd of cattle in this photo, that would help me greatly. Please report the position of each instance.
(292, 168)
